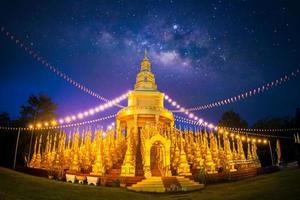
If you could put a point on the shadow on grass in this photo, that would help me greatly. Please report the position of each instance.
(280, 185)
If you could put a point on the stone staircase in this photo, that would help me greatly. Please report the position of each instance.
(188, 184)
(165, 184)
(152, 184)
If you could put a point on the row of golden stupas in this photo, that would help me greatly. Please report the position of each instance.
(144, 142)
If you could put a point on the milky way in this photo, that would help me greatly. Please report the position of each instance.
(200, 51)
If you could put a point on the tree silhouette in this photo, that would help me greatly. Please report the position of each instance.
(232, 119)
(4, 119)
(38, 108)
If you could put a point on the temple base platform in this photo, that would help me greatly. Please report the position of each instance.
(166, 184)
(157, 184)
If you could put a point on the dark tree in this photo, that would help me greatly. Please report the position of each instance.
(4, 119)
(232, 119)
(287, 145)
(297, 118)
(38, 108)
(269, 123)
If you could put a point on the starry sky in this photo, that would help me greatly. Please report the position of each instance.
(201, 51)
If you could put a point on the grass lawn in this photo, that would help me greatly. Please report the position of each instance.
(281, 185)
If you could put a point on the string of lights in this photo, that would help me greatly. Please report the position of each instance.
(190, 115)
(247, 94)
(52, 68)
(199, 121)
(242, 135)
(82, 115)
(231, 131)
(39, 127)
(262, 135)
(236, 134)
(185, 120)
(263, 130)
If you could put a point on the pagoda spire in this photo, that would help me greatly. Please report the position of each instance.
(145, 79)
(145, 54)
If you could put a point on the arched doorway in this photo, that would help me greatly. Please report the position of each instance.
(157, 156)
(157, 159)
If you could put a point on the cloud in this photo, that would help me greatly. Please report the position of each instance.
(170, 58)
(106, 39)
(167, 58)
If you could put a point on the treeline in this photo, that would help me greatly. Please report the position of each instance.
(288, 147)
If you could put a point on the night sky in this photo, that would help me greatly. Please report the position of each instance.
(201, 51)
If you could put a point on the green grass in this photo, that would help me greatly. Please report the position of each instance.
(281, 185)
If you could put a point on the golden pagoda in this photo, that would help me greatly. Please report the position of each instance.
(145, 107)
(144, 144)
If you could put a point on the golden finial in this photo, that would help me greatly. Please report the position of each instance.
(146, 55)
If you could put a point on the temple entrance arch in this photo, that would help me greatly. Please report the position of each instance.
(157, 156)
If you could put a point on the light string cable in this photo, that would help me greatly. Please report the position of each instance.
(250, 93)
(195, 120)
(61, 126)
(262, 135)
(231, 133)
(199, 121)
(262, 129)
(52, 68)
(81, 115)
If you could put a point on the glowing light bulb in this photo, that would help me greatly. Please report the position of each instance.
(46, 124)
(91, 111)
(101, 107)
(61, 121)
(221, 131)
(67, 119)
(191, 115)
(205, 123)
(243, 138)
(39, 125)
(200, 121)
(210, 126)
(253, 140)
(195, 118)
(177, 106)
(86, 113)
(265, 141)
(181, 109)
(30, 126)
(174, 103)
(231, 134)
(259, 140)
(73, 117)
(53, 122)
(166, 97)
